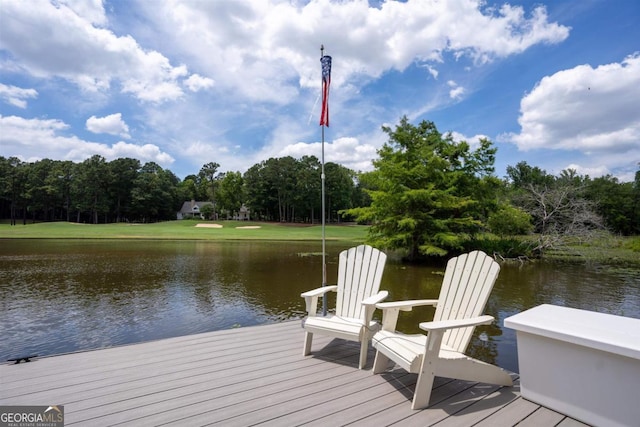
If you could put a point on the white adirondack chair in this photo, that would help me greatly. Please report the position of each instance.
(359, 274)
(467, 283)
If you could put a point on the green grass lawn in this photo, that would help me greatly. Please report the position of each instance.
(183, 230)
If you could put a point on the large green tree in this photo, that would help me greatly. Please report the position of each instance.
(188, 188)
(64, 172)
(308, 188)
(90, 186)
(13, 179)
(41, 188)
(340, 188)
(124, 172)
(614, 201)
(423, 191)
(208, 179)
(282, 174)
(273, 190)
(154, 194)
(231, 193)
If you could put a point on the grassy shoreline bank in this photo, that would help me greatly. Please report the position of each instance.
(605, 250)
(608, 250)
(184, 230)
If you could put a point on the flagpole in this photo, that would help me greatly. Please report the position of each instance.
(324, 251)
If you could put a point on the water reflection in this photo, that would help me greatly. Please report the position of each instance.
(61, 296)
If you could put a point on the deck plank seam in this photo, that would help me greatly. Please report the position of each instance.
(130, 362)
(206, 399)
(217, 387)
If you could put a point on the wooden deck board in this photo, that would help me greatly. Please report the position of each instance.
(249, 376)
(509, 414)
(542, 417)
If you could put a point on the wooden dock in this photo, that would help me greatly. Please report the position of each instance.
(252, 376)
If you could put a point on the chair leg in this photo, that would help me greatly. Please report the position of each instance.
(308, 338)
(423, 390)
(380, 363)
(427, 370)
(364, 347)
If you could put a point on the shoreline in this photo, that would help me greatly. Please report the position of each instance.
(609, 250)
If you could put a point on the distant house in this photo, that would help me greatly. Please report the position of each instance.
(240, 215)
(192, 209)
(243, 214)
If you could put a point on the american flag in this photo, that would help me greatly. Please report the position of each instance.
(326, 80)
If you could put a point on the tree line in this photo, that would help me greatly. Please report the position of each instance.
(124, 190)
(427, 194)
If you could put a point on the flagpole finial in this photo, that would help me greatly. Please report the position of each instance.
(321, 50)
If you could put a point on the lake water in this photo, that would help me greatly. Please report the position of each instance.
(59, 296)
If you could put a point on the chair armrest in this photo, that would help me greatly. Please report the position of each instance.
(456, 323)
(370, 305)
(406, 305)
(311, 298)
(319, 291)
(375, 299)
(391, 310)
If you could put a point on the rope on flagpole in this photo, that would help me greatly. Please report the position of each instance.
(313, 109)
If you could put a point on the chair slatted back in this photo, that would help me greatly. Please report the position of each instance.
(468, 281)
(359, 275)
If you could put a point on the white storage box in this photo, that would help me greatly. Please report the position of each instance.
(580, 363)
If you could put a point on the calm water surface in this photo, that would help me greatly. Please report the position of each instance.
(63, 296)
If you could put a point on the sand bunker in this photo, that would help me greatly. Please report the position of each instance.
(246, 227)
(209, 225)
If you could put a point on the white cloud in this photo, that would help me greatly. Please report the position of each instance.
(432, 70)
(591, 171)
(199, 151)
(456, 91)
(349, 152)
(196, 82)
(17, 96)
(25, 139)
(111, 124)
(352, 153)
(71, 47)
(220, 38)
(258, 55)
(146, 153)
(507, 31)
(91, 10)
(593, 111)
(473, 141)
(584, 108)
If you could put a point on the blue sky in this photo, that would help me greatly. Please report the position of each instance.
(184, 82)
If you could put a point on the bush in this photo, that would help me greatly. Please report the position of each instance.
(207, 211)
(633, 244)
(510, 221)
(504, 247)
